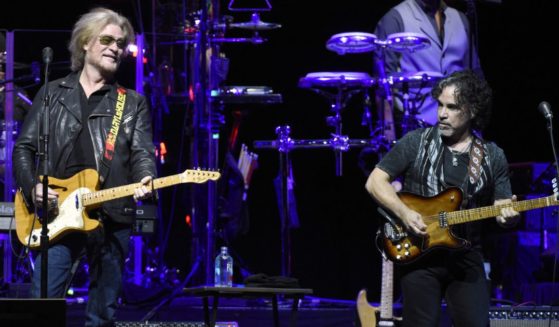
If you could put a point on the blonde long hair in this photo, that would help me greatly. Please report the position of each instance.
(89, 26)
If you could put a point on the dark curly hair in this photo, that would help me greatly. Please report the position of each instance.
(471, 93)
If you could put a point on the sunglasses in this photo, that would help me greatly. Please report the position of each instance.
(107, 40)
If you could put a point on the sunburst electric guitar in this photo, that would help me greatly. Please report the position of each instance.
(370, 316)
(439, 213)
(79, 194)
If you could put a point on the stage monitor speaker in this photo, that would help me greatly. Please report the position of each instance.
(522, 323)
(534, 316)
(32, 312)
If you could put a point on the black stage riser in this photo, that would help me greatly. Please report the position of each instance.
(32, 312)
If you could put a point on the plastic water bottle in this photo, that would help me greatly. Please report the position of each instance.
(223, 269)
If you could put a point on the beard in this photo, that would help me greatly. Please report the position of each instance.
(107, 69)
(106, 66)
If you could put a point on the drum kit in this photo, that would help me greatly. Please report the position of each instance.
(340, 87)
(359, 42)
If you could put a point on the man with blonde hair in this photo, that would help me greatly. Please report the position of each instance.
(94, 124)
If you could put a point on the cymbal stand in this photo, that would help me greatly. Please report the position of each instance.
(385, 132)
(207, 121)
(204, 145)
(285, 144)
(407, 120)
(410, 105)
(338, 101)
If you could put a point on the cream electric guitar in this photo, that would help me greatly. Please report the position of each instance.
(79, 194)
(367, 313)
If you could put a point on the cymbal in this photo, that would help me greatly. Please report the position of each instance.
(255, 24)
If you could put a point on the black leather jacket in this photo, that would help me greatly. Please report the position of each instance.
(134, 156)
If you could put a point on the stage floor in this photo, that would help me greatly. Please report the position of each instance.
(244, 312)
(158, 307)
(140, 307)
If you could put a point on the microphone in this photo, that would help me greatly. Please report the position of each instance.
(545, 108)
(47, 59)
(47, 55)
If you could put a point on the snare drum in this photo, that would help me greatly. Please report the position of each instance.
(413, 80)
(3, 137)
(336, 80)
(352, 42)
(407, 42)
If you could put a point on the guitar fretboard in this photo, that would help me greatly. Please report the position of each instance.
(386, 297)
(464, 216)
(113, 193)
(188, 176)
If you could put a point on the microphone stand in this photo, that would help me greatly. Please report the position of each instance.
(44, 138)
(549, 117)
(553, 148)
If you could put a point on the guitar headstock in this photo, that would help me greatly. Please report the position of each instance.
(199, 176)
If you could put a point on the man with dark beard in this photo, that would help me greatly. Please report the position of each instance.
(430, 160)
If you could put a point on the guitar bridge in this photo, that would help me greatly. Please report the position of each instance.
(443, 222)
(392, 234)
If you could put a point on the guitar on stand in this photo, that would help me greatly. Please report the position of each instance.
(368, 313)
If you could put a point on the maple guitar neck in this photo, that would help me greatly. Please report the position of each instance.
(188, 176)
(469, 215)
(387, 298)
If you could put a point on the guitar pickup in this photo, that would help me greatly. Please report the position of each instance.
(443, 222)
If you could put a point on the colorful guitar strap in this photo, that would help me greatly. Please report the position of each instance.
(110, 142)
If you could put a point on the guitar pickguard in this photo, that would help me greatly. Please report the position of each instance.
(69, 217)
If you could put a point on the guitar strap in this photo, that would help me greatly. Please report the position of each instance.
(476, 158)
(474, 169)
(110, 142)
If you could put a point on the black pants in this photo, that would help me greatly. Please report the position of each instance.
(458, 277)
